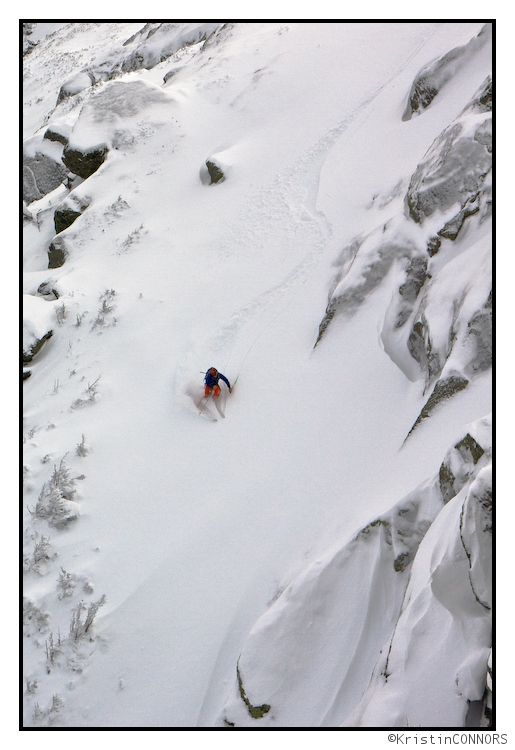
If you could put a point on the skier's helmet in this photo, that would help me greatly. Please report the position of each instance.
(213, 371)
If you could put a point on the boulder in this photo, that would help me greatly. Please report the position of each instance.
(84, 163)
(68, 211)
(41, 175)
(57, 253)
(75, 85)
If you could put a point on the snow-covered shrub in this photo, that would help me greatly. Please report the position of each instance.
(39, 555)
(49, 716)
(53, 648)
(34, 620)
(60, 313)
(66, 584)
(88, 395)
(78, 627)
(105, 315)
(131, 239)
(82, 449)
(55, 503)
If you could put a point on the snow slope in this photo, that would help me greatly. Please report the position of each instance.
(193, 531)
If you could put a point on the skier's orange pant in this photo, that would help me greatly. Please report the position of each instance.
(217, 391)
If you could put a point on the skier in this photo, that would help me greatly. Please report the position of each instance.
(211, 381)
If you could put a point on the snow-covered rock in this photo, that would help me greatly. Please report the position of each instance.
(114, 117)
(38, 323)
(407, 600)
(433, 77)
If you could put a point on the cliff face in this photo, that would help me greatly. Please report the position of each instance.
(246, 196)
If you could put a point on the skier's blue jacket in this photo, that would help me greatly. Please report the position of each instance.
(212, 380)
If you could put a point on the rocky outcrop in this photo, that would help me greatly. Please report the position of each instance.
(365, 265)
(462, 462)
(443, 390)
(28, 44)
(480, 331)
(453, 171)
(433, 77)
(157, 42)
(438, 315)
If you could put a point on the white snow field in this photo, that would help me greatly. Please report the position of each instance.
(182, 572)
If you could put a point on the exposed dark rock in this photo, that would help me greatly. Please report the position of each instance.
(458, 465)
(483, 134)
(64, 217)
(421, 349)
(215, 172)
(41, 175)
(469, 449)
(84, 163)
(168, 39)
(455, 167)
(75, 85)
(329, 315)
(257, 712)
(371, 276)
(476, 536)
(443, 391)
(29, 355)
(433, 245)
(417, 344)
(433, 77)
(402, 561)
(26, 374)
(453, 172)
(483, 99)
(480, 329)
(57, 253)
(421, 95)
(30, 189)
(28, 44)
(453, 227)
(53, 135)
(139, 35)
(47, 290)
(416, 276)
